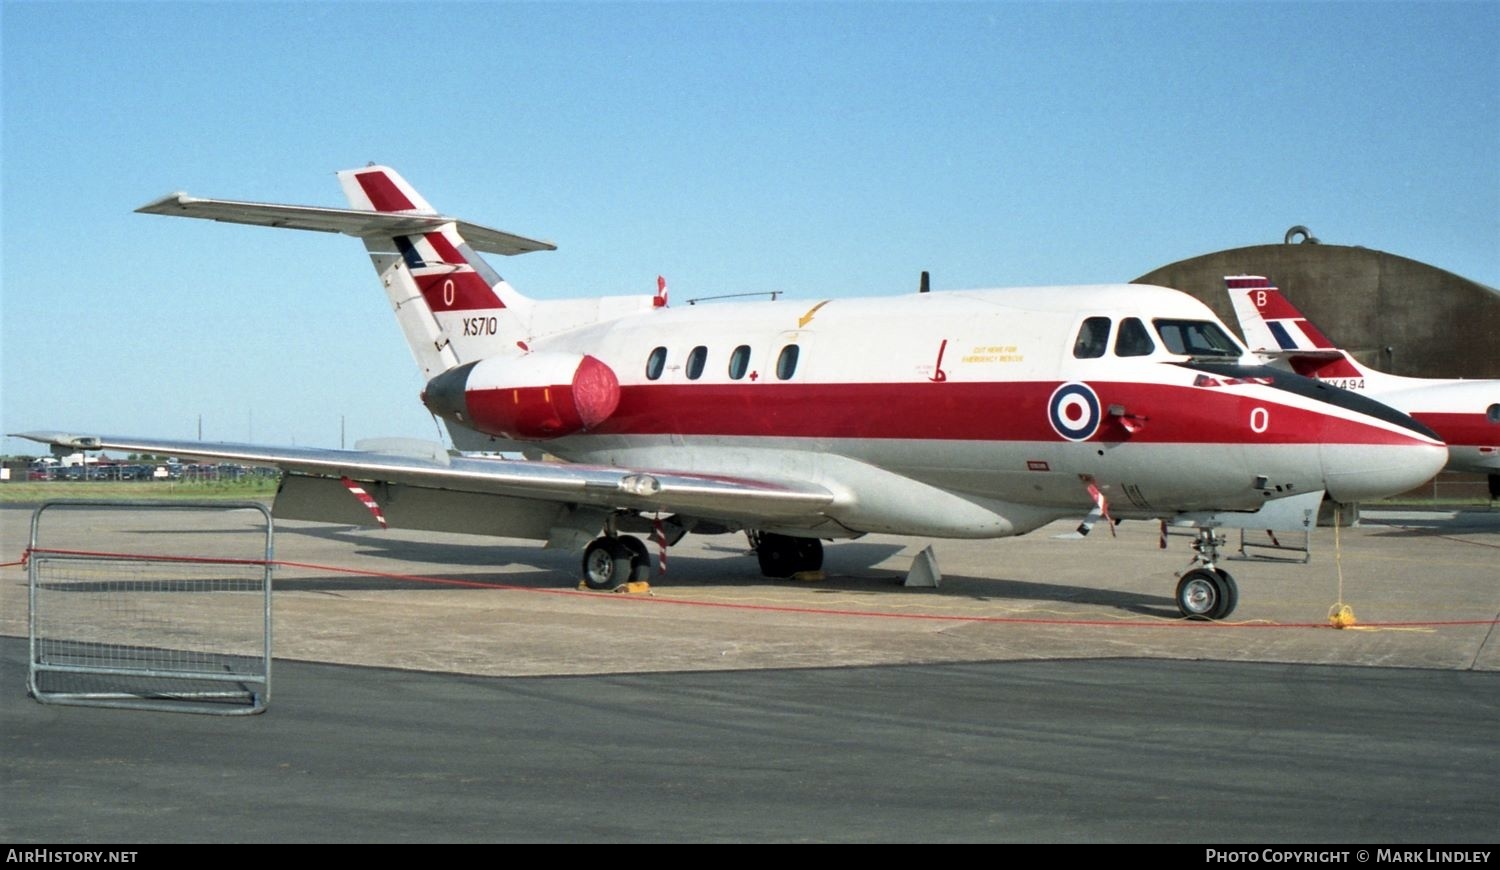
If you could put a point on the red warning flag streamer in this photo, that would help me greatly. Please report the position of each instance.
(660, 537)
(1100, 509)
(365, 499)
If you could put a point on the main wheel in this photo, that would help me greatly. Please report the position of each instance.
(640, 557)
(1231, 594)
(606, 563)
(782, 556)
(1206, 594)
(809, 554)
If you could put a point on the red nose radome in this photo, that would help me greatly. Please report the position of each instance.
(531, 397)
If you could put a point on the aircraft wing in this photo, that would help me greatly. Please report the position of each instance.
(351, 222)
(601, 487)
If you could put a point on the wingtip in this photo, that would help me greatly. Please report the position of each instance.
(165, 204)
(62, 439)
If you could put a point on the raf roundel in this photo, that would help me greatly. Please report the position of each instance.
(1073, 411)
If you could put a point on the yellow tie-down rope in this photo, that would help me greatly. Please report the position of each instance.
(1340, 615)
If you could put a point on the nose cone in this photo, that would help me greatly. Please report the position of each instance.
(1354, 472)
(1386, 453)
(1365, 449)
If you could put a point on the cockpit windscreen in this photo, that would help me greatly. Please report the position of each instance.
(1196, 338)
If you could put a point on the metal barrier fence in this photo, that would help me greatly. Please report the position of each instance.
(151, 605)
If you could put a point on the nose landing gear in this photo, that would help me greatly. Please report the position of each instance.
(1207, 591)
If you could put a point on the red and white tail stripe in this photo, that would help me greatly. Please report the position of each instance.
(1270, 322)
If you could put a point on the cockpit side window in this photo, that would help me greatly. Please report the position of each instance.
(1196, 338)
(1133, 339)
(1093, 338)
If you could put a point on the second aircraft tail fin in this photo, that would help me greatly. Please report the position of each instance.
(1272, 325)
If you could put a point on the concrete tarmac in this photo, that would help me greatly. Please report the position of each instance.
(1046, 691)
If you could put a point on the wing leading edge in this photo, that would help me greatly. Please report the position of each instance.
(605, 487)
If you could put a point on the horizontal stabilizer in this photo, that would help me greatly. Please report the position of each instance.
(351, 222)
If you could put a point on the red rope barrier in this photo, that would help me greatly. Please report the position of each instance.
(1174, 623)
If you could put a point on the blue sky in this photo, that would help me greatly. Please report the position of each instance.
(829, 149)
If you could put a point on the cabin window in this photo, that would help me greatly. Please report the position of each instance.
(1493, 413)
(1196, 338)
(696, 359)
(1133, 339)
(786, 364)
(739, 362)
(656, 363)
(1093, 338)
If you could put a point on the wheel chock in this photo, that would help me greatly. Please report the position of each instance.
(634, 587)
(924, 571)
(809, 576)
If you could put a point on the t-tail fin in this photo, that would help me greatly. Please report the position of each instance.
(1273, 326)
(452, 307)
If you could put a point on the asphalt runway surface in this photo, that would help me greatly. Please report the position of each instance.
(464, 690)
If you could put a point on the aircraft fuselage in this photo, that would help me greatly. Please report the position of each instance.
(967, 413)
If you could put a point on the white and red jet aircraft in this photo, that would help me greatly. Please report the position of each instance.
(960, 414)
(1464, 413)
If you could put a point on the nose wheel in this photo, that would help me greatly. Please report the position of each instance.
(1207, 591)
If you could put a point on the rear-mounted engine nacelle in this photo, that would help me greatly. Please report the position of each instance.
(539, 395)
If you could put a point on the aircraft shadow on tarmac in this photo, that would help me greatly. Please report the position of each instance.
(851, 568)
(1439, 525)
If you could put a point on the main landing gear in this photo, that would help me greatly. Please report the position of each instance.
(783, 556)
(610, 562)
(1207, 591)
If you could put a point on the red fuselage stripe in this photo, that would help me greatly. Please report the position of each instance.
(1462, 430)
(1006, 411)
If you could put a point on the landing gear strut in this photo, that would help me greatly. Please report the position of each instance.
(1207, 591)
(609, 562)
(783, 556)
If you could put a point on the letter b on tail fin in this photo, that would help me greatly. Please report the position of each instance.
(1272, 324)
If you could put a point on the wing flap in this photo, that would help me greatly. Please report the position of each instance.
(351, 222)
(325, 500)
